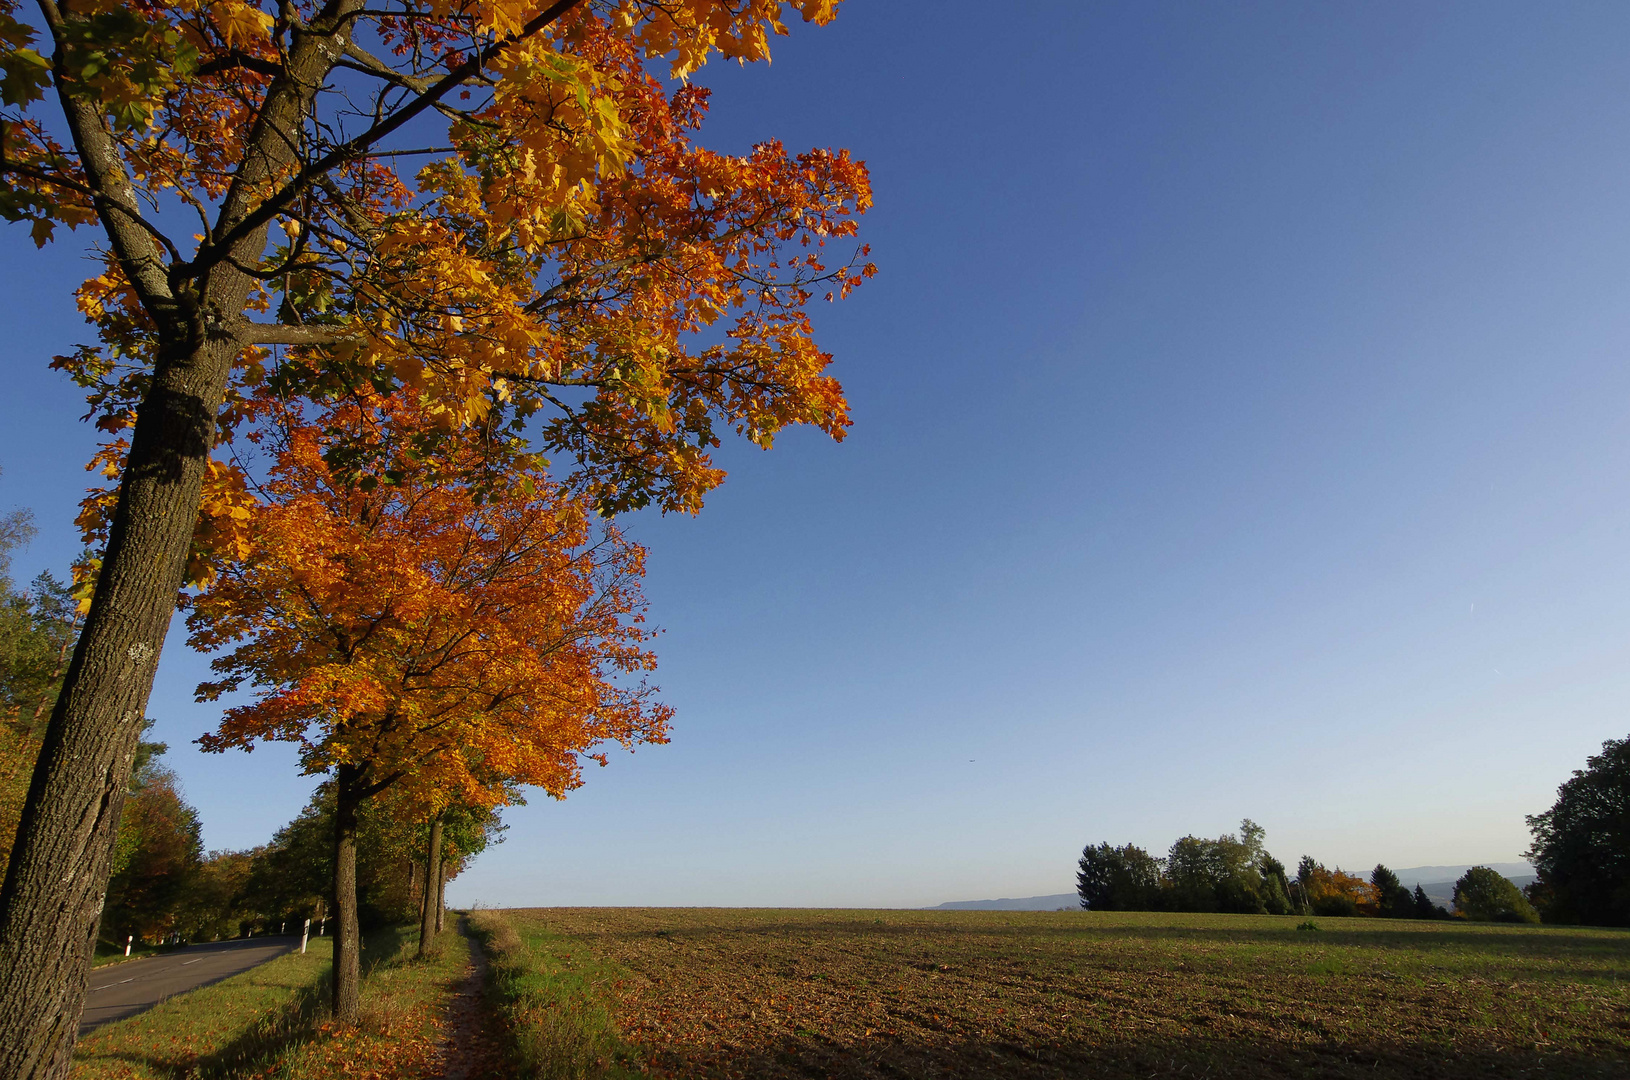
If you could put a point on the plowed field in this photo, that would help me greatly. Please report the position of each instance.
(802, 993)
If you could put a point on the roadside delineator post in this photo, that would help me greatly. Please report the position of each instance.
(128, 940)
(303, 935)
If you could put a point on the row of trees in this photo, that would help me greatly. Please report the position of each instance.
(1235, 873)
(1231, 874)
(162, 883)
(397, 251)
(164, 887)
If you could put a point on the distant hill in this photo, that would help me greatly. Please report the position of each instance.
(1438, 882)
(1025, 903)
(1427, 875)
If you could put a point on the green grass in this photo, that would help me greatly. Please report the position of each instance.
(272, 1021)
(217, 1030)
(556, 1001)
(769, 994)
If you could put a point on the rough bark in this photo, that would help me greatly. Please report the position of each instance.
(56, 881)
(429, 919)
(347, 972)
(441, 896)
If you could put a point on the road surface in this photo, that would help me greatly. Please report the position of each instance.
(125, 989)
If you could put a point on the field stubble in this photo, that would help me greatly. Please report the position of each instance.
(805, 993)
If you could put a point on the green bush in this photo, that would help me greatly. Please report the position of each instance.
(1484, 896)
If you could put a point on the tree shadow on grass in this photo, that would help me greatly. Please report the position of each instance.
(810, 1056)
(265, 1040)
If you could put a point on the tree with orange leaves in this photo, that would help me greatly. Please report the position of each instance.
(493, 202)
(434, 616)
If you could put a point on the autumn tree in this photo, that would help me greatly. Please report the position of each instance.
(497, 202)
(156, 861)
(37, 628)
(1335, 892)
(430, 616)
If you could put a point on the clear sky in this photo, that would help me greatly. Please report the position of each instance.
(1242, 428)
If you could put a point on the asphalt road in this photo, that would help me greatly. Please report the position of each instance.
(125, 989)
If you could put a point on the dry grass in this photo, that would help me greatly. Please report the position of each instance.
(770, 994)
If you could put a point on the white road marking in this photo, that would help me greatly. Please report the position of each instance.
(184, 963)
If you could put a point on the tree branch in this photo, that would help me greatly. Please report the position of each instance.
(255, 333)
(111, 190)
(353, 148)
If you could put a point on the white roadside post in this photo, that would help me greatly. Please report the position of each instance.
(128, 941)
(303, 935)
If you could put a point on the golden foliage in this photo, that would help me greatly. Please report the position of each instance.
(437, 612)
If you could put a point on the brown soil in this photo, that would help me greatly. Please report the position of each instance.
(773, 995)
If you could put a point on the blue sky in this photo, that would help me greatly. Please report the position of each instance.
(1241, 430)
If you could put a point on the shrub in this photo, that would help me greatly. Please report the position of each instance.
(1484, 896)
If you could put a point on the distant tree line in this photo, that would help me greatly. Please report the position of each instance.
(1236, 874)
(164, 887)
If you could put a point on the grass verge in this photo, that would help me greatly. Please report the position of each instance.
(272, 1021)
(557, 1002)
(218, 1030)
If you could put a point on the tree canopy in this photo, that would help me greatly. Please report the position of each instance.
(500, 205)
(1231, 873)
(1483, 895)
(1581, 846)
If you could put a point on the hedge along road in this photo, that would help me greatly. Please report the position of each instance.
(121, 990)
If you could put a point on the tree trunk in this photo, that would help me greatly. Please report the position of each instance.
(57, 879)
(429, 923)
(347, 972)
(441, 896)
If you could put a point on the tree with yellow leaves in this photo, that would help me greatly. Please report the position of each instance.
(494, 203)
